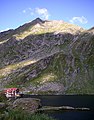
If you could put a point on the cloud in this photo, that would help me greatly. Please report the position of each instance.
(29, 8)
(82, 20)
(28, 11)
(24, 11)
(43, 12)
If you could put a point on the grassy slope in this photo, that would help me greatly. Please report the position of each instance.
(16, 115)
(82, 68)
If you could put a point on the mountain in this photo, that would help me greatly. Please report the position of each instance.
(48, 57)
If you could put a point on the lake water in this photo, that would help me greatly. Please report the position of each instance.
(86, 101)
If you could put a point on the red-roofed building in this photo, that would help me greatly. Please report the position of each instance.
(12, 92)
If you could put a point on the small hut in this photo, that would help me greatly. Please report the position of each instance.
(12, 92)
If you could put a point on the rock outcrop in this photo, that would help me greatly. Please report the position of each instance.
(26, 104)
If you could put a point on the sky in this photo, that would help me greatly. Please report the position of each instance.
(14, 13)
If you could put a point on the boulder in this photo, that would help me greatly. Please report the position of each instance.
(27, 104)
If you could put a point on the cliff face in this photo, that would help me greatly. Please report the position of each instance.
(48, 57)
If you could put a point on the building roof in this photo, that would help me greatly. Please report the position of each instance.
(10, 89)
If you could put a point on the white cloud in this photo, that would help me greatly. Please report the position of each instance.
(43, 12)
(24, 11)
(82, 20)
(28, 11)
(29, 8)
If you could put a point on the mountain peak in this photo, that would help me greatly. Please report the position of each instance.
(37, 20)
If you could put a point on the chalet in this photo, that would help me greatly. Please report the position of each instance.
(12, 92)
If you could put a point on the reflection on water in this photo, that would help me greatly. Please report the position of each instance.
(72, 115)
(86, 101)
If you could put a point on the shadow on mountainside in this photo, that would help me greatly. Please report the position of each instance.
(50, 57)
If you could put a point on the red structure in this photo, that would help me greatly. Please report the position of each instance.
(12, 92)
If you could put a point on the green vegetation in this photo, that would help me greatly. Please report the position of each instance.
(2, 97)
(20, 115)
(56, 71)
(3, 100)
(53, 72)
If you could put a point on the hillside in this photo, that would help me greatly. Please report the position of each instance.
(48, 57)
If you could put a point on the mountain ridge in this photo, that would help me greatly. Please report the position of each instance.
(47, 57)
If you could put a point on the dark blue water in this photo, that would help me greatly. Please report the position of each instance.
(86, 101)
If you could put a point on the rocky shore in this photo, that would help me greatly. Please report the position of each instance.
(33, 105)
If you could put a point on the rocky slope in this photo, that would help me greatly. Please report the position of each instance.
(48, 57)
